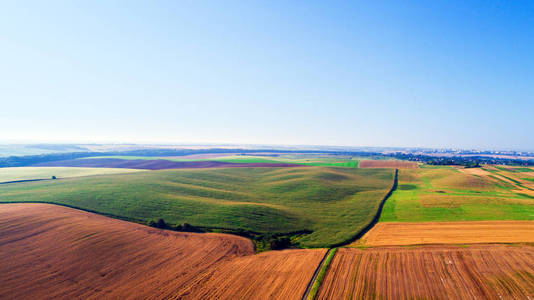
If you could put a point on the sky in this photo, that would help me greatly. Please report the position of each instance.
(446, 74)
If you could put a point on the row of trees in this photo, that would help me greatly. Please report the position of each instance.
(262, 242)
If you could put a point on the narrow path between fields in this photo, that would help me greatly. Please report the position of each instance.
(356, 237)
(314, 277)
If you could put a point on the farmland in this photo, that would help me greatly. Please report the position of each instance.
(440, 220)
(407, 233)
(157, 164)
(49, 251)
(431, 272)
(30, 173)
(270, 275)
(398, 164)
(275, 159)
(52, 252)
(445, 193)
(333, 203)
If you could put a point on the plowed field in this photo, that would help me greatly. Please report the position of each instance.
(397, 164)
(444, 272)
(384, 234)
(54, 252)
(271, 275)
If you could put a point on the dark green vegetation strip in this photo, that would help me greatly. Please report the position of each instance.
(310, 207)
(318, 277)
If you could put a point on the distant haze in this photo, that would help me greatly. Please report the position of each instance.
(419, 74)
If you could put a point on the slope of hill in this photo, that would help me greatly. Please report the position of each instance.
(334, 203)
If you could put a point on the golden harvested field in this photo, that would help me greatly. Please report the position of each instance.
(430, 272)
(54, 252)
(397, 164)
(402, 233)
(270, 275)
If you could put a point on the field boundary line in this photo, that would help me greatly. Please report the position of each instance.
(315, 274)
(26, 180)
(376, 217)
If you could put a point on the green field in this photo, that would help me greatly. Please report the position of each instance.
(28, 173)
(450, 194)
(336, 203)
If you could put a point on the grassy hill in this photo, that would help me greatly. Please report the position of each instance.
(335, 203)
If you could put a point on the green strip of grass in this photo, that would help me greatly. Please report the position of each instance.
(322, 273)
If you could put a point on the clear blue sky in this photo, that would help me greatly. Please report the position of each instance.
(405, 73)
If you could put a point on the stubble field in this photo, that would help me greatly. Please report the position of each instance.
(404, 233)
(54, 252)
(440, 272)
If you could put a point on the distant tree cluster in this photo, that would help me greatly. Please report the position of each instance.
(185, 227)
(467, 161)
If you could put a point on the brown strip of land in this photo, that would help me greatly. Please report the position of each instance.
(431, 272)
(54, 252)
(156, 164)
(386, 233)
(396, 164)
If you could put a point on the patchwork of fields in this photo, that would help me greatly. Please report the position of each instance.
(315, 201)
(446, 193)
(158, 164)
(334, 203)
(218, 160)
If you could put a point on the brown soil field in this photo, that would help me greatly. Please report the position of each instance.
(397, 164)
(54, 252)
(431, 272)
(156, 164)
(217, 155)
(393, 233)
(200, 156)
(270, 275)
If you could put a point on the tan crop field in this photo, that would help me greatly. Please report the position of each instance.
(431, 272)
(402, 233)
(54, 252)
(270, 275)
(396, 164)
